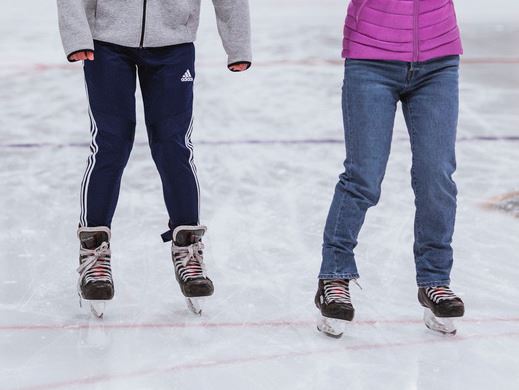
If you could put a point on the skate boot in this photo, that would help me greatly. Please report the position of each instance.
(333, 300)
(95, 284)
(188, 259)
(441, 306)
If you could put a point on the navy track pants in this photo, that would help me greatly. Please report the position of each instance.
(166, 77)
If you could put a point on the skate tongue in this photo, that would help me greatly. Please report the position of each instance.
(188, 237)
(92, 240)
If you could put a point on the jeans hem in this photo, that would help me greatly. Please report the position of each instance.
(434, 283)
(338, 276)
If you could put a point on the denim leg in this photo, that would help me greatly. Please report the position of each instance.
(431, 113)
(370, 96)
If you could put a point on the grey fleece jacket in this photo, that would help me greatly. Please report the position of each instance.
(151, 23)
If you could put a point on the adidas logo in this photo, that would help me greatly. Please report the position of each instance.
(187, 77)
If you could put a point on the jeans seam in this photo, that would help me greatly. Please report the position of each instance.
(414, 180)
(336, 227)
(349, 153)
(341, 204)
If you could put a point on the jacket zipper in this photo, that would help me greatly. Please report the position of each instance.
(415, 30)
(141, 45)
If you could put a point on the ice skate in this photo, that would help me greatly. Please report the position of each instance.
(188, 259)
(95, 284)
(333, 300)
(441, 306)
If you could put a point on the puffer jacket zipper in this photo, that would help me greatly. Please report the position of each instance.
(416, 38)
(145, 3)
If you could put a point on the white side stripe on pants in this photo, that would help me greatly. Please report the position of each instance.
(90, 165)
(189, 145)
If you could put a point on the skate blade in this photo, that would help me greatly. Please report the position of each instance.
(194, 305)
(97, 308)
(332, 327)
(438, 324)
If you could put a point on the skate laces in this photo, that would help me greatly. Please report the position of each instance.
(440, 294)
(189, 260)
(95, 265)
(337, 291)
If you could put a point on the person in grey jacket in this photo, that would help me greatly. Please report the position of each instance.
(147, 24)
(119, 40)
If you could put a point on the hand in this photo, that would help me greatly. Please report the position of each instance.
(82, 56)
(239, 66)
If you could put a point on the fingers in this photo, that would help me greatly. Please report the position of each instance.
(239, 67)
(82, 56)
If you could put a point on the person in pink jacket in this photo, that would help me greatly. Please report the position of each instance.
(396, 51)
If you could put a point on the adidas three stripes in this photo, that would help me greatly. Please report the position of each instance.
(166, 78)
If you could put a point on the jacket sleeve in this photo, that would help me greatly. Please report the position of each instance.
(233, 20)
(74, 28)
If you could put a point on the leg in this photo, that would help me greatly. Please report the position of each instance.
(370, 95)
(166, 76)
(168, 106)
(431, 112)
(110, 85)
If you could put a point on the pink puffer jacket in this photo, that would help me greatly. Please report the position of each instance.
(402, 30)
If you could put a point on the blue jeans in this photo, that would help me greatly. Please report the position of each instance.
(429, 95)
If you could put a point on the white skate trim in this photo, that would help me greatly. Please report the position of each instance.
(93, 229)
(439, 324)
(331, 326)
(94, 148)
(189, 228)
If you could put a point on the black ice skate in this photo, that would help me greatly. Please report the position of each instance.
(441, 306)
(188, 259)
(95, 283)
(333, 300)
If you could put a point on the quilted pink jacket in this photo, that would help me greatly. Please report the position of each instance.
(402, 30)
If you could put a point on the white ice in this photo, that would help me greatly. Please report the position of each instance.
(265, 206)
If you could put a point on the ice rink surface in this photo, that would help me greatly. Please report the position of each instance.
(269, 150)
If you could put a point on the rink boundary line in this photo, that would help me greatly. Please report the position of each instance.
(43, 67)
(316, 141)
(230, 325)
(96, 379)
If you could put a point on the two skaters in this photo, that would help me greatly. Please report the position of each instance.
(413, 59)
(152, 41)
(405, 51)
